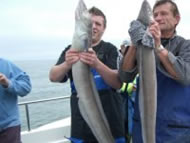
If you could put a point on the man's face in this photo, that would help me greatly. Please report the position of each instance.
(97, 28)
(164, 16)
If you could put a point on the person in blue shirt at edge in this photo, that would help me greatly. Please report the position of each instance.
(103, 59)
(13, 83)
(173, 75)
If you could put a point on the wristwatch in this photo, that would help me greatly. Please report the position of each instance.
(159, 49)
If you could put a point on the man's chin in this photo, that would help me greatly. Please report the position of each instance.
(93, 41)
(93, 38)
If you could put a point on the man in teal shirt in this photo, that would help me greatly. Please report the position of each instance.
(13, 83)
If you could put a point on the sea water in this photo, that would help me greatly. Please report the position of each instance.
(42, 88)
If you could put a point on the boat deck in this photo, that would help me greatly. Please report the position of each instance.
(51, 133)
(54, 132)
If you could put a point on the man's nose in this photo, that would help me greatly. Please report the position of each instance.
(158, 17)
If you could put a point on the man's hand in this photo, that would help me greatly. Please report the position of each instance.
(3, 80)
(89, 58)
(71, 57)
(154, 29)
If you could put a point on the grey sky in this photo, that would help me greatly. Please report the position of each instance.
(40, 29)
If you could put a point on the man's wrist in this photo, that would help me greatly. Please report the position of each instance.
(159, 49)
(6, 84)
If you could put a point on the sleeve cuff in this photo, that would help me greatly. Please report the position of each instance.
(171, 58)
(10, 87)
(133, 70)
(127, 76)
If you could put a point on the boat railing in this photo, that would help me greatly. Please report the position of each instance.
(25, 104)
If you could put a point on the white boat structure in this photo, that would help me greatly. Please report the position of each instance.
(54, 132)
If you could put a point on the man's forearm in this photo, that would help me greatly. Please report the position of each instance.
(19, 85)
(129, 59)
(58, 72)
(163, 56)
(110, 76)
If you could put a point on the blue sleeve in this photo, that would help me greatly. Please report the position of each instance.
(19, 85)
(19, 81)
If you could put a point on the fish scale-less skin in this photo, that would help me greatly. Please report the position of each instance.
(89, 102)
(147, 94)
(148, 82)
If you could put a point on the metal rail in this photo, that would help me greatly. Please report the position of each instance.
(37, 101)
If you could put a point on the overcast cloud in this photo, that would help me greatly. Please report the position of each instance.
(40, 29)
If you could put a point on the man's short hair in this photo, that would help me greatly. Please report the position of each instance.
(98, 12)
(174, 7)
